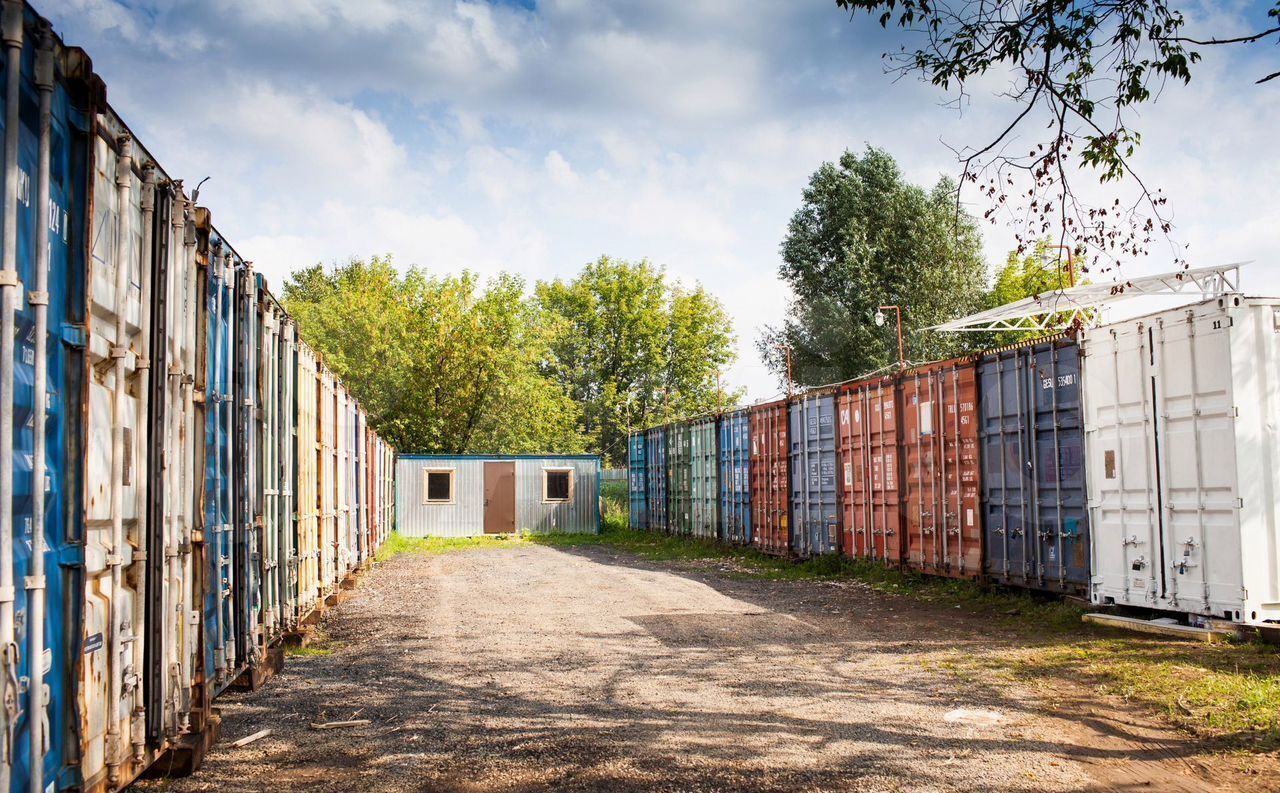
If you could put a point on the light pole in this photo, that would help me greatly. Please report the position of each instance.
(1071, 263)
(880, 318)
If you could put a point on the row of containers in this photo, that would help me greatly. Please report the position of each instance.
(1136, 465)
(183, 483)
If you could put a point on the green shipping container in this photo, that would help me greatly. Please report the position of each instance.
(704, 493)
(679, 479)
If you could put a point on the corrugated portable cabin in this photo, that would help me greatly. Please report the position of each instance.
(469, 495)
(704, 493)
(1180, 415)
(868, 430)
(636, 485)
(940, 447)
(814, 508)
(734, 429)
(770, 477)
(1031, 431)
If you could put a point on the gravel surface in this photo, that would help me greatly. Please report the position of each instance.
(528, 668)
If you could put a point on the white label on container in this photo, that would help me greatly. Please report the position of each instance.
(968, 516)
(848, 474)
(926, 418)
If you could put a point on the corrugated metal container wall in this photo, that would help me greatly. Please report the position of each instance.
(389, 488)
(47, 431)
(1033, 486)
(328, 482)
(735, 483)
(655, 444)
(248, 484)
(770, 477)
(940, 446)
(636, 480)
(463, 514)
(679, 479)
(287, 428)
(704, 491)
(307, 483)
(1180, 415)
(115, 513)
(815, 510)
(868, 432)
(276, 443)
(342, 503)
(353, 482)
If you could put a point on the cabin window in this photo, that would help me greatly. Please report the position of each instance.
(557, 485)
(437, 486)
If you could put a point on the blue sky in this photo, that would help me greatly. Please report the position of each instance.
(533, 137)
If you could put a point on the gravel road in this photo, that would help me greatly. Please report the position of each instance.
(527, 668)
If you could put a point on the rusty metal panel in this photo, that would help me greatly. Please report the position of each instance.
(704, 493)
(770, 477)
(815, 514)
(871, 470)
(940, 446)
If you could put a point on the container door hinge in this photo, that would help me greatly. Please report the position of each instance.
(73, 335)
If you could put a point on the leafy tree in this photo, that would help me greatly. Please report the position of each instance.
(864, 237)
(633, 350)
(441, 363)
(1038, 274)
(1081, 70)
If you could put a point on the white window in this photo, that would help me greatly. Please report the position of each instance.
(557, 485)
(437, 486)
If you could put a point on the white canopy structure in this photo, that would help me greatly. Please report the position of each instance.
(1063, 308)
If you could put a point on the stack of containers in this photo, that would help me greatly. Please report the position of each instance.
(735, 500)
(868, 432)
(770, 477)
(704, 491)
(940, 445)
(814, 509)
(636, 486)
(1031, 430)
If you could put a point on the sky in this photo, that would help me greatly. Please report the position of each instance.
(535, 136)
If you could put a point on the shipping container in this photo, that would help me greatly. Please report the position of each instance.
(276, 462)
(868, 430)
(734, 430)
(941, 476)
(1031, 433)
(704, 490)
(472, 495)
(328, 481)
(1181, 410)
(655, 446)
(679, 479)
(770, 477)
(636, 495)
(815, 509)
(306, 483)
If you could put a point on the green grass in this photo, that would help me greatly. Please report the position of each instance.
(397, 544)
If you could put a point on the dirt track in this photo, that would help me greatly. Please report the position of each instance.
(528, 668)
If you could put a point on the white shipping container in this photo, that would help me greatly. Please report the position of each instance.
(1182, 412)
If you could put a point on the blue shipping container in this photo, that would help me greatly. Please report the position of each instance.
(814, 500)
(735, 480)
(655, 441)
(1033, 485)
(636, 480)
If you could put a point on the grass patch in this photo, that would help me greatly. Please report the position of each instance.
(397, 544)
(615, 507)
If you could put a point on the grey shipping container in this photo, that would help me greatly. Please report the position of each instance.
(469, 495)
(814, 501)
(1031, 434)
(704, 493)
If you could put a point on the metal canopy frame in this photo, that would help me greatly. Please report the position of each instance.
(1064, 308)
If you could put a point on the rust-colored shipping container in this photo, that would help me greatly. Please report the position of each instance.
(868, 429)
(940, 450)
(770, 477)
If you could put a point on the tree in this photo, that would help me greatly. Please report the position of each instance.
(1035, 275)
(633, 350)
(440, 363)
(1080, 70)
(864, 237)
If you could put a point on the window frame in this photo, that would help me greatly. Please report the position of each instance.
(427, 500)
(546, 480)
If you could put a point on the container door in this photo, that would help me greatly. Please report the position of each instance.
(813, 476)
(499, 497)
(1007, 430)
(870, 472)
(636, 480)
(1061, 519)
